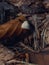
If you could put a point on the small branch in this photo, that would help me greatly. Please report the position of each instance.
(28, 48)
(18, 62)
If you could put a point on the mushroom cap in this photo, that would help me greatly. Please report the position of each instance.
(25, 25)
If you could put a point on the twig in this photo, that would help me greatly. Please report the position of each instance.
(30, 49)
(44, 21)
(18, 62)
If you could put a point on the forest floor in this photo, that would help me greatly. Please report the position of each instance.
(7, 57)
